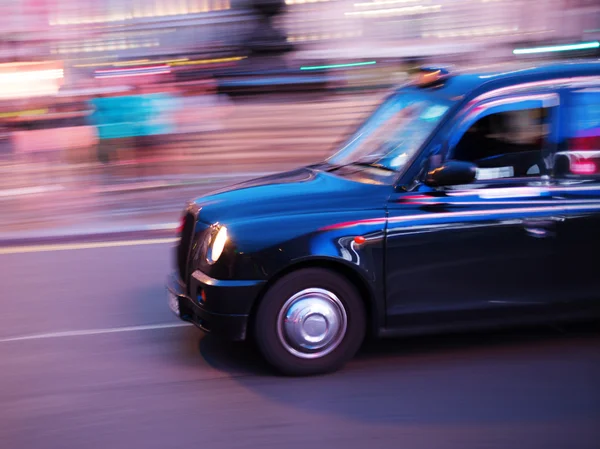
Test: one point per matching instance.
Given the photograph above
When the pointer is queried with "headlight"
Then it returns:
(215, 249)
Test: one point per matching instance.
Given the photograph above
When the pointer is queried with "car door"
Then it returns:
(461, 255)
(577, 173)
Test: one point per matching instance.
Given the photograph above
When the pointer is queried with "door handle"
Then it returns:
(540, 228)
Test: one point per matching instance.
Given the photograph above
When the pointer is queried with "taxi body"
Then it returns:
(463, 201)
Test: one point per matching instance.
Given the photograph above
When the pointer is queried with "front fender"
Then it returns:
(262, 249)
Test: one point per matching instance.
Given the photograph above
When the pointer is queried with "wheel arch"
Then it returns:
(347, 270)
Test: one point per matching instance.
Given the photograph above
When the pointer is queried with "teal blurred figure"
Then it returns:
(131, 117)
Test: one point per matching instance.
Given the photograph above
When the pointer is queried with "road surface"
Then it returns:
(91, 357)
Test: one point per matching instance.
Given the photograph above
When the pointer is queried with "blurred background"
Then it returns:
(114, 113)
(101, 97)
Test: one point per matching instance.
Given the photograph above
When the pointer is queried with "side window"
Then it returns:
(580, 151)
(506, 144)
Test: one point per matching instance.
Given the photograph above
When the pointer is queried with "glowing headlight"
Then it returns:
(218, 244)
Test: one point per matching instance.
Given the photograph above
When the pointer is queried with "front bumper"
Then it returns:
(215, 306)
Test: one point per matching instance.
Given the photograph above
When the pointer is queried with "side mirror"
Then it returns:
(452, 173)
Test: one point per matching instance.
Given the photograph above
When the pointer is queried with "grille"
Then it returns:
(185, 243)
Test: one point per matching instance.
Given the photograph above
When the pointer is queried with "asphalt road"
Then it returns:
(118, 385)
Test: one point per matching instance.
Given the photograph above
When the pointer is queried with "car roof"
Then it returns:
(475, 81)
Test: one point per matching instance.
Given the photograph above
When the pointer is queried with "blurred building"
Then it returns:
(88, 32)
(404, 28)
(133, 26)
(75, 29)
(579, 19)
(25, 34)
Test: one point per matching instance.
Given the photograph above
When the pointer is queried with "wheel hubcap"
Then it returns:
(312, 323)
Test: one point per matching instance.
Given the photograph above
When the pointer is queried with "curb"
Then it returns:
(141, 186)
(136, 186)
(122, 188)
(72, 235)
(156, 185)
(22, 191)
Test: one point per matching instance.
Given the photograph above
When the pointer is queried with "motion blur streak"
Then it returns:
(555, 48)
(89, 332)
(338, 66)
(72, 246)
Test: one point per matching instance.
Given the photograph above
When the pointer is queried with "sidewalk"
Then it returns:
(58, 199)
(99, 211)
(253, 135)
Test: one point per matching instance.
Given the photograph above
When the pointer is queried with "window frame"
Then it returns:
(477, 110)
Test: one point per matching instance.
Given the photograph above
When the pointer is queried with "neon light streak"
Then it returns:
(556, 48)
(338, 66)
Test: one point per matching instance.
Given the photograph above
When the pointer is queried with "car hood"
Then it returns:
(301, 191)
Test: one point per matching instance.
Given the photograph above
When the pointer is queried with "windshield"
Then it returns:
(395, 131)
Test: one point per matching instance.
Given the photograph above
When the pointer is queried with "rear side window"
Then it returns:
(581, 151)
(584, 120)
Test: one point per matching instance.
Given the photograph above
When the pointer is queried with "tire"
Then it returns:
(330, 290)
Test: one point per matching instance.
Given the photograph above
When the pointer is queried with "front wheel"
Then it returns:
(311, 321)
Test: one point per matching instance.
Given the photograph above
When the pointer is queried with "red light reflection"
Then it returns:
(583, 168)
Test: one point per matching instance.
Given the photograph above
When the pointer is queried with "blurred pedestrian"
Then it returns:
(110, 116)
(156, 106)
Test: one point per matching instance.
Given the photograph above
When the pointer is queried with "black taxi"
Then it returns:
(465, 200)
